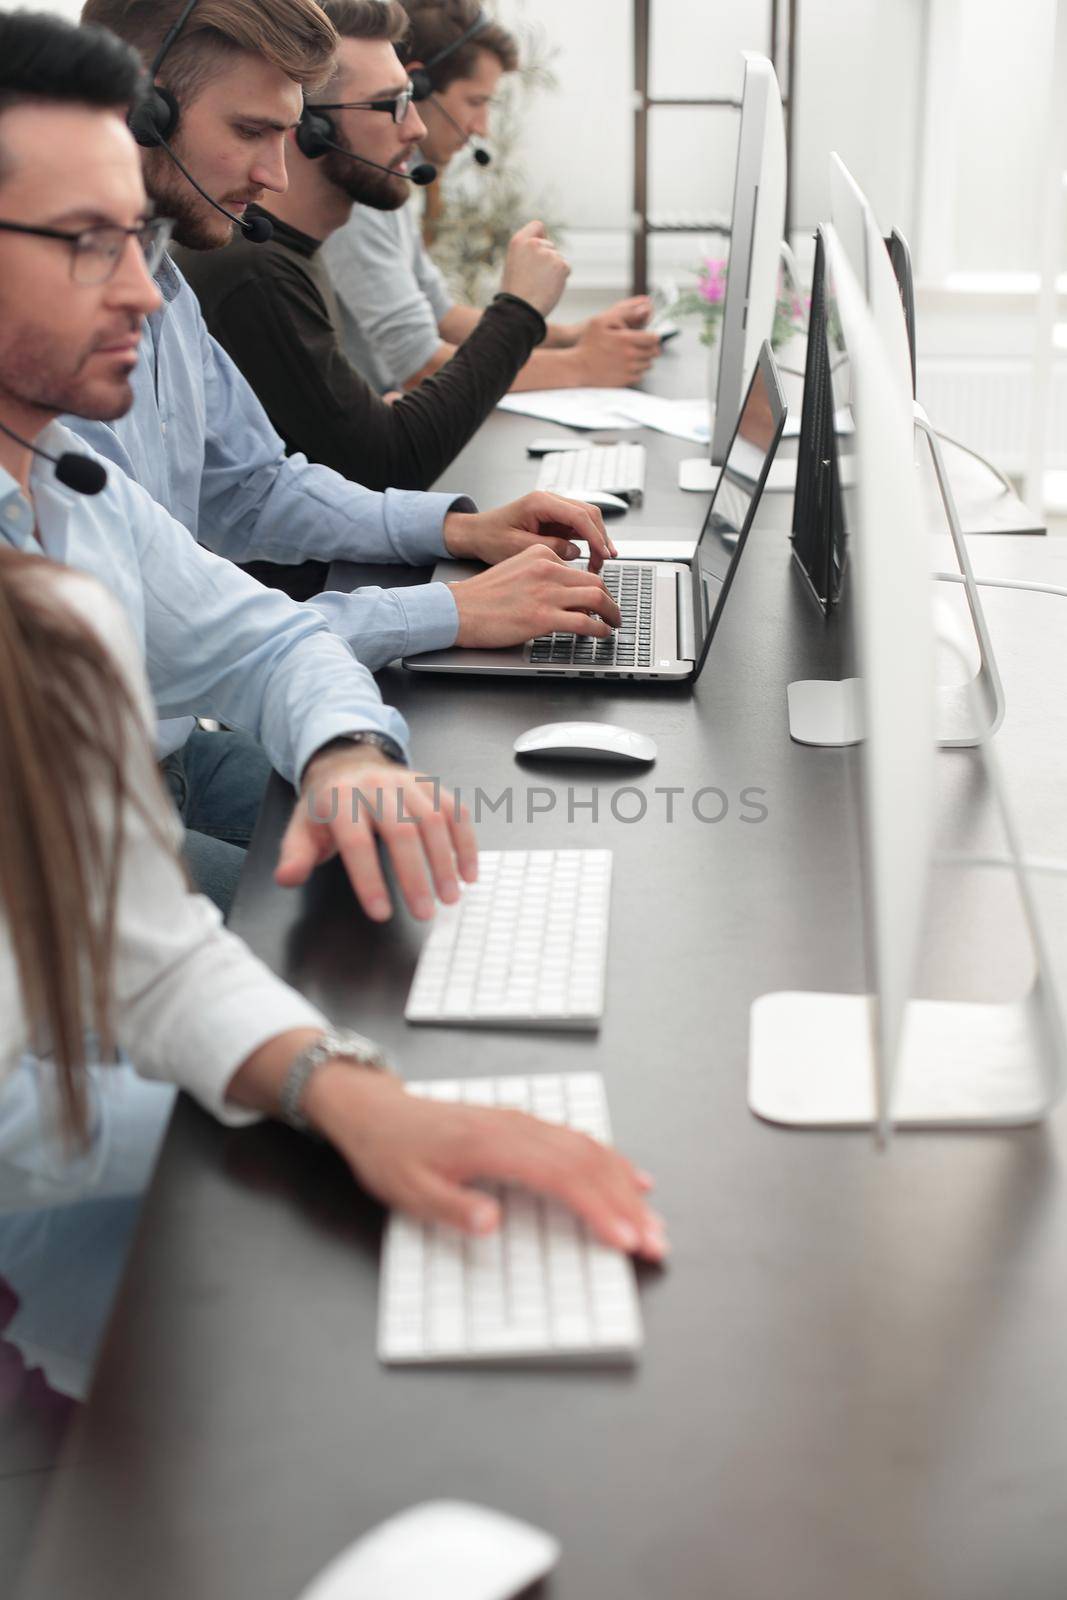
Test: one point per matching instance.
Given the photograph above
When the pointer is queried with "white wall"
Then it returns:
(860, 75)
(858, 92)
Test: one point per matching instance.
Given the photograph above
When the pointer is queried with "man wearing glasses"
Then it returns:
(199, 441)
(401, 325)
(76, 257)
(316, 399)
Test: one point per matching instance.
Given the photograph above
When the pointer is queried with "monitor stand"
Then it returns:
(826, 712)
(811, 1063)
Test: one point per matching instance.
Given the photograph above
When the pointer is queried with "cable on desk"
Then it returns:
(1002, 478)
(962, 858)
(1003, 583)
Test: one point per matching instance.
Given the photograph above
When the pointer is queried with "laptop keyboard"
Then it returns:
(632, 585)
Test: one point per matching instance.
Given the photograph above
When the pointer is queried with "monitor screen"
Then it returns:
(756, 228)
(733, 505)
(818, 533)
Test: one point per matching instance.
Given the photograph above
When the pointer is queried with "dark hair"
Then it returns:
(45, 59)
(293, 35)
(368, 19)
(435, 24)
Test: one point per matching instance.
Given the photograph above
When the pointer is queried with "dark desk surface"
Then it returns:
(850, 1381)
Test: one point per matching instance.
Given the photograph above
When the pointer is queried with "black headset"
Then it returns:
(153, 121)
(421, 79)
(316, 133)
(154, 118)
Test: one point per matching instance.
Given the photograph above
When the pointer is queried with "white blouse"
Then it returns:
(191, 1001)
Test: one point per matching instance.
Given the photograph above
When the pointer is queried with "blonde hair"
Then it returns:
(295, 36)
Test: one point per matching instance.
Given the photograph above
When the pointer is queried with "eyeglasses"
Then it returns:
(399, 105)
(96, 252)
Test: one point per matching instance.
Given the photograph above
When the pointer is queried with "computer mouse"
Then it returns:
(449, 1549)
(609, 505)
(544, 447)
(586, 741)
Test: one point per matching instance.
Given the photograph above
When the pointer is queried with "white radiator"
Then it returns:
(986, 404)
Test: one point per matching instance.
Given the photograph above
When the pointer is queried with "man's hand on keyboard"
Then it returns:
(538, 520)
(422, 1156)
(532, 594)
(349, 800)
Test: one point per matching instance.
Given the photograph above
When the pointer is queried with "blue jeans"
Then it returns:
(66, 1224)
(217, 780)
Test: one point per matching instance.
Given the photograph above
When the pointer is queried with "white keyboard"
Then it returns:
(526, 945)
(540, 1286)
(615, 468)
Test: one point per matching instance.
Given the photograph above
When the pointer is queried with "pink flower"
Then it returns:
(711, 282)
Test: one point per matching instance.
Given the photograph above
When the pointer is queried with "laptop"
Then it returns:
(670, 608)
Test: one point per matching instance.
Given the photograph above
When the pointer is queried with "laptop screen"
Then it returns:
(733, 505)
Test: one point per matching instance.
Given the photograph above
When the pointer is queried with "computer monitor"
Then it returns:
(886, 1058)
(884, 273)
(865, 248)
(900, 260)
(756, 228)
(818, 535)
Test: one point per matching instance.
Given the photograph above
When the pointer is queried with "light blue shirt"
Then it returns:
(199, 441)
(215, 642)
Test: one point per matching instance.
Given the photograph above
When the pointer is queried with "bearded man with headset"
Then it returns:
(227, 79)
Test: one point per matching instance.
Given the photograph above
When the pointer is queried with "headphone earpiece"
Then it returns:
(421, 81)
(154, 117)
(315, 134)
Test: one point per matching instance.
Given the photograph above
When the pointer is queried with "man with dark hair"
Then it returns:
(314, 396)
(400, 323)
(75, 238)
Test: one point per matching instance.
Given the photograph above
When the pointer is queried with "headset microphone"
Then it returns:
(257, 230)
(480, 154)
(77, 472)
(154, 119)
(313, 139)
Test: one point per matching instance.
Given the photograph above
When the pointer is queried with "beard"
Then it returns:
(33, 370)
(196, 225)
(363, 184)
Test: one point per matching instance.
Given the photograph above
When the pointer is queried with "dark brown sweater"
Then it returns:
(272, 308)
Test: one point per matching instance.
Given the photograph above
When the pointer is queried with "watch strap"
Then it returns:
(336, 1044)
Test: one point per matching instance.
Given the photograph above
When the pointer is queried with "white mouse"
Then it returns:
(449, 1549)
(609, 505)
(585, 741)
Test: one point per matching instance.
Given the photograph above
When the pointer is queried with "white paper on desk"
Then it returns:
(683, 419)
(574, 408)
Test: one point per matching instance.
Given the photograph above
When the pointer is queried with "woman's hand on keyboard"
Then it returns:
(423, 1155)
(540, 519)
(352, 798)
(532, 594)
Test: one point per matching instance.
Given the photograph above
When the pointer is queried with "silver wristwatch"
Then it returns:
(335, 1044)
